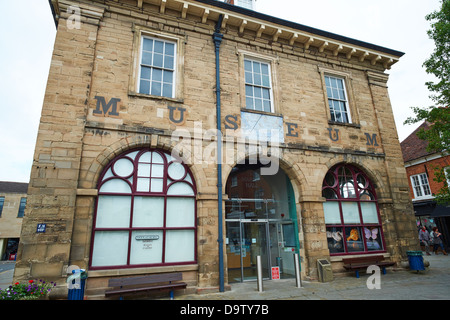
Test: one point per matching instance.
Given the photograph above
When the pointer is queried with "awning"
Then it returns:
(425, 208)
(441, 211)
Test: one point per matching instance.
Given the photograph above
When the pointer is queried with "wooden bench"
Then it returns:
(141, 284)
(364, 262)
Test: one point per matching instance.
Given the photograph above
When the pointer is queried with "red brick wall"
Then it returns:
(420, 168)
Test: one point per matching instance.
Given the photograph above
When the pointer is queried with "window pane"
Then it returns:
(170, 49)
(158, 60)
(167, 90)
(180, 245)
(146, 247)
(143, 185)
(144, 170)
(156, 88)
(176, 170)
(146, 73)
(110, 248)
(147, 58)
(168, 77)
(369, 212)
(373, 238)
(148, 212)
(354, 239)
(180, 188)
(350, 212)
(113, 212)
(157, 170)
(157, 185)
(168, 62)
(180, 212)
(116, 186)
(144, 87)
(335, 240)
(148, 44)
(123, 167)
(332, 213)
(156, 158)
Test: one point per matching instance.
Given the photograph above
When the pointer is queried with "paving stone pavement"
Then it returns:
(431, 284)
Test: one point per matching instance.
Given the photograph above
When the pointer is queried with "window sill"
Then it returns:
(262, 112)
(150, 97)
(352, 125)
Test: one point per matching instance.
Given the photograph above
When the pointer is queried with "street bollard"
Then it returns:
(260, 276)
(298, 280)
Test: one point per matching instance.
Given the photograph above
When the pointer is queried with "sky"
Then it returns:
(27, 34)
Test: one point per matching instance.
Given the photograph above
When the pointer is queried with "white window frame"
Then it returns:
(421, 188)
(345, 100)
(271, 97)
(152, 67)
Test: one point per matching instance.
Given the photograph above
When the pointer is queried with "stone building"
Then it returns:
(13, 199)
(125, 174)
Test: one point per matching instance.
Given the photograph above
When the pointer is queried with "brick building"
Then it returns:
(125, 174)
(420, 167)
(13, 199)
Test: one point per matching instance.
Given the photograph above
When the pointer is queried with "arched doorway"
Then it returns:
(261, 220)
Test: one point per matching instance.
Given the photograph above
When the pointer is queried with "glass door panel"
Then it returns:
(254, 243)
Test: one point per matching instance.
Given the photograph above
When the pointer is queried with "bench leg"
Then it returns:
(357, 273)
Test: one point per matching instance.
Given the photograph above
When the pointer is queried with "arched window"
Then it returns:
(145, 212)
(351, 212)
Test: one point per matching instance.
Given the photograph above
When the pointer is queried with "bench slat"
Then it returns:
(144, 280)
(178, 285)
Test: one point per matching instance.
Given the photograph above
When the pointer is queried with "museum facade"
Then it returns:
(194, 136)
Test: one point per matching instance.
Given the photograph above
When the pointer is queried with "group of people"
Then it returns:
(431, 238)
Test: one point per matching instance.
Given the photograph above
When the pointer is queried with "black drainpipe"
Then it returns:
(217, 37)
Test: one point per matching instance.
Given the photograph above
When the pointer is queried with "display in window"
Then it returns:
(354, 240)
(335, 240)
(373, 239)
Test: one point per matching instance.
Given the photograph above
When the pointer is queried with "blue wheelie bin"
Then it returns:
(76, 283)
(415, 260)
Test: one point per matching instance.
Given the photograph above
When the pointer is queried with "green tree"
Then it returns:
(438, 116)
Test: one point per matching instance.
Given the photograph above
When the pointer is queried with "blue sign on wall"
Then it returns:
(41, 227)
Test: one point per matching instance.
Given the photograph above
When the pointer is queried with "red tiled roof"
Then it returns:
(413, 147)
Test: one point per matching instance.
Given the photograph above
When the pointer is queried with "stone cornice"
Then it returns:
(261, 25)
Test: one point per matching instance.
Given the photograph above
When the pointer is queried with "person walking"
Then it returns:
(437, 241)
(425, 238)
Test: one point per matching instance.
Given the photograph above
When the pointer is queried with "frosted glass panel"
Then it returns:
(116, 186)
(145, 157)
(143, 185)
(157, 158)
(180, 245)
(148, 212)
(110, 248)
(146, 247)
(157, 170)
(332, 214)
(123, 167)
(176, 171)
(144, 170)
(113, 212)
(350, 212)
(157, 185)
(369, 212)
(180, 188)
(180, 212)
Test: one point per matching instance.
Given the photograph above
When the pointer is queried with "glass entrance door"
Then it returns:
(254, 243)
